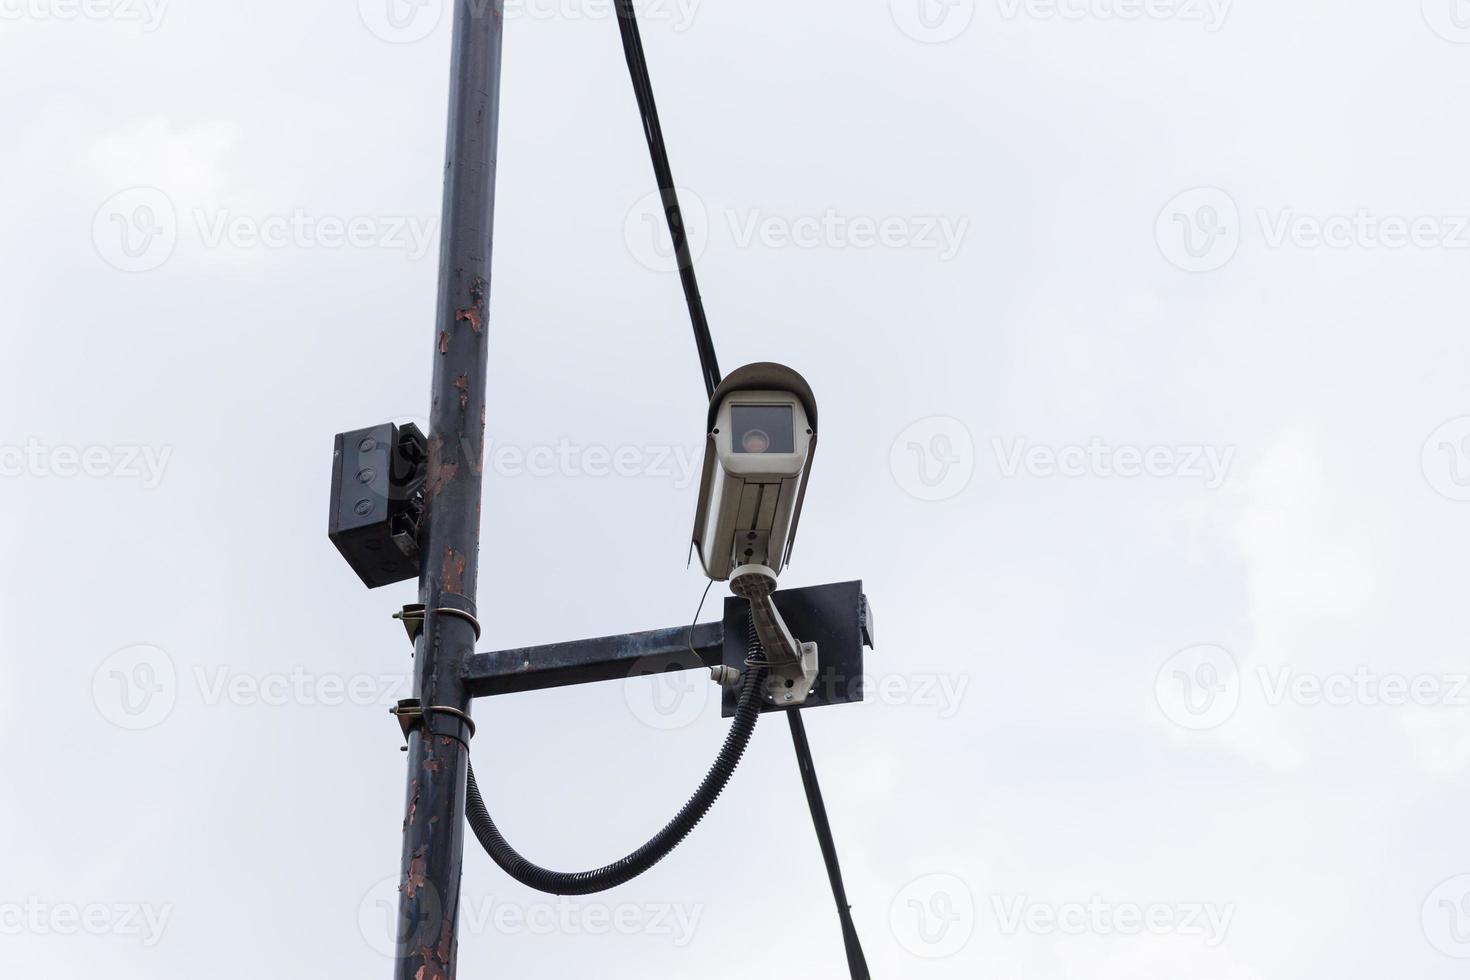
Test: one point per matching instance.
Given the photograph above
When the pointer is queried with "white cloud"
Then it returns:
(189, 162)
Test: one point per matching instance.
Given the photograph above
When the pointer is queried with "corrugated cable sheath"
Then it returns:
(531, 875)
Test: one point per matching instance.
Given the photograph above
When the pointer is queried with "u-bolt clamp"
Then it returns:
(411, 713)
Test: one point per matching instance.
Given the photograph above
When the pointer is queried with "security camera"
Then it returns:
(762, 432)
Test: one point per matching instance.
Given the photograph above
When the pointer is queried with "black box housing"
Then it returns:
(378, 501)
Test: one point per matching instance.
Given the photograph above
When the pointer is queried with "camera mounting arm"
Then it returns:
(793, 663)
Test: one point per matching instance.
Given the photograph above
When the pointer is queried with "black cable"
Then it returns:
(710, 370)
(857, 964)
(747, 711)
(653, 132)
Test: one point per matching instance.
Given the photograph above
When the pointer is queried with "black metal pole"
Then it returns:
(438, 746)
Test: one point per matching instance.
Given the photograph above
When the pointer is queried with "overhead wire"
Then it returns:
(710, 373)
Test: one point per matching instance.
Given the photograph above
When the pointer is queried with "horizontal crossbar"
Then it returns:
(606, 658)
(835, 617)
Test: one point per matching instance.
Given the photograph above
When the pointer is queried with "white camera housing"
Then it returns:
(762, 434)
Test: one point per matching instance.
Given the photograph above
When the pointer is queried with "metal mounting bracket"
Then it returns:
(837, 617)
(793, 664)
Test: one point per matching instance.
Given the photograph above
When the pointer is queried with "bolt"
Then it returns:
(725, 676)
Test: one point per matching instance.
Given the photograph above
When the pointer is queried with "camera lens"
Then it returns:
(755, 441)
(759, 430)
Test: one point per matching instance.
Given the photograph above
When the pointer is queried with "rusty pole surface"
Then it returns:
(438, 748)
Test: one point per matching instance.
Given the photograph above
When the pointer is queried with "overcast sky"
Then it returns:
(1138, 330)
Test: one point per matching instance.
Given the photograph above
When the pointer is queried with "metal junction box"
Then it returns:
(378, 501)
